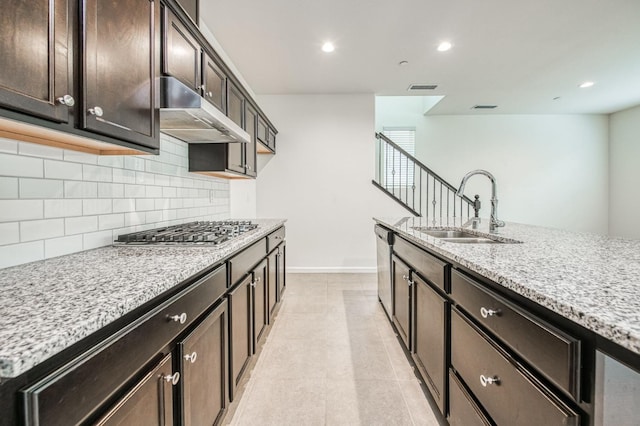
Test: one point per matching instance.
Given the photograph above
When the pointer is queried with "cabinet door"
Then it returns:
(263, 131)
(282, 275)
(260, 309)
(192, 9)
(235, 111)
(203, 355)
(429, 338)
(401, 298)
(34, 47)
(272, 283)
(214, 83)
(150, 402)
(121, 46)
(240, 337)
(251, 121)
(180, 52)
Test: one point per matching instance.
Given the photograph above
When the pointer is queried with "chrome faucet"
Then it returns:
(494, 223)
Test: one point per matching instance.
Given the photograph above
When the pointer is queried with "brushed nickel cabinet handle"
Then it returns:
(486, 381)
(97, 111)
(486, 313)
(172, 378)
(66, 100)
(182, 318)
(191, 357)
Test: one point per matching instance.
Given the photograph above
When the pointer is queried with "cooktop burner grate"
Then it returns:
(189, 233)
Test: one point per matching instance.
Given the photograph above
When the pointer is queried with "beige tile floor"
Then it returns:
(331, 358)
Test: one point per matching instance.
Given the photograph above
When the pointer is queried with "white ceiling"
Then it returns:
(516, 54)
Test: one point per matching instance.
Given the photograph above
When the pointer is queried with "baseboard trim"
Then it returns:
(330, 270)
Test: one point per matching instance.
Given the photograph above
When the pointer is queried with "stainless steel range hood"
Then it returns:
(187, 116)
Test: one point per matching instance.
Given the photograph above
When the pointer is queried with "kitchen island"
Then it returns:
(581, 288)
(66, 312)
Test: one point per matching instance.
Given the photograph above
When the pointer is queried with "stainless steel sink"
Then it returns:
(457, 236)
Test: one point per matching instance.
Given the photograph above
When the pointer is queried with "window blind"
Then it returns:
(399, 170)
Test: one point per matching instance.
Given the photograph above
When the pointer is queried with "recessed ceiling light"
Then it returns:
(328, 47)
(586, 84)
(444, 46)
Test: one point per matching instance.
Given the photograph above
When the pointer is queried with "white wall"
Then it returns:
(551, 170)
(624, 173)
(55, 202)
(320, 180)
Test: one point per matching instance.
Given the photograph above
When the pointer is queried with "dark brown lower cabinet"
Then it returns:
(260, 309)
(272, 284)
(428, 338)
(282, 275)
(240, 333)
(463, 410)
(204, 366)
(150, 402)
(402, 299)
(504, 388)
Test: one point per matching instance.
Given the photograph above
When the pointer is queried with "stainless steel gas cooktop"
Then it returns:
(189, 233)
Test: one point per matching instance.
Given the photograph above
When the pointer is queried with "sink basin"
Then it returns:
(457, 236)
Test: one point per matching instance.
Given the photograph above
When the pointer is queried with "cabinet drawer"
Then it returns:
(463, 411)
(244, 262)
(72, 393)
(275, 238)
(514, 398)
(554, 353)
(428, 266)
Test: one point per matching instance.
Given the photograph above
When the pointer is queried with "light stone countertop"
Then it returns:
(47, 306)
(592, 280)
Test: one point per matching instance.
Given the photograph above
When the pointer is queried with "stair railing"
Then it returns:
(414, 185)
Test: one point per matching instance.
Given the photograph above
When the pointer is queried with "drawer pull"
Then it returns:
(485, 381)
(489, 312)
(182, 318)
(173, 378)
(191, 357)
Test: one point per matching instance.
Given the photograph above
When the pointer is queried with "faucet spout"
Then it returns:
(494, 223)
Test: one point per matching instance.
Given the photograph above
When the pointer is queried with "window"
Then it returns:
(398, 169)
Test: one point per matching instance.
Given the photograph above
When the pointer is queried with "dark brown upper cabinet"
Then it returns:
(181, 52)
(35, 51)
(235, 111)
(251, 122)
(120, 60)
(214, 83)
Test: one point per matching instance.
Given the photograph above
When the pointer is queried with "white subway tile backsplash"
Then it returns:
(62, 170)
(62, 208)
(97, 239)
(110, 190)
(41, 229)
(153, 191)
(63, 245)
(9, 233)
(110, 221)
(16, 165)
(79, 189)
(41, 188)
(134, 163)
(134, 191)
(8, 146)
(80, 225)
(8, 187)
(96, 206)
(54, 202)
(42, 151)
(124, 205)
(16, 210)
(143, 204)
(96, 173)
(15, 254)
(80, 157)
(124, 176)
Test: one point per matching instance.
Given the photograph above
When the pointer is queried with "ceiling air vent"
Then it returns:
(422, 87)
(484, 106)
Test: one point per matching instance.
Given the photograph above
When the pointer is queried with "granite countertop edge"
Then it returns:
(49, 305)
